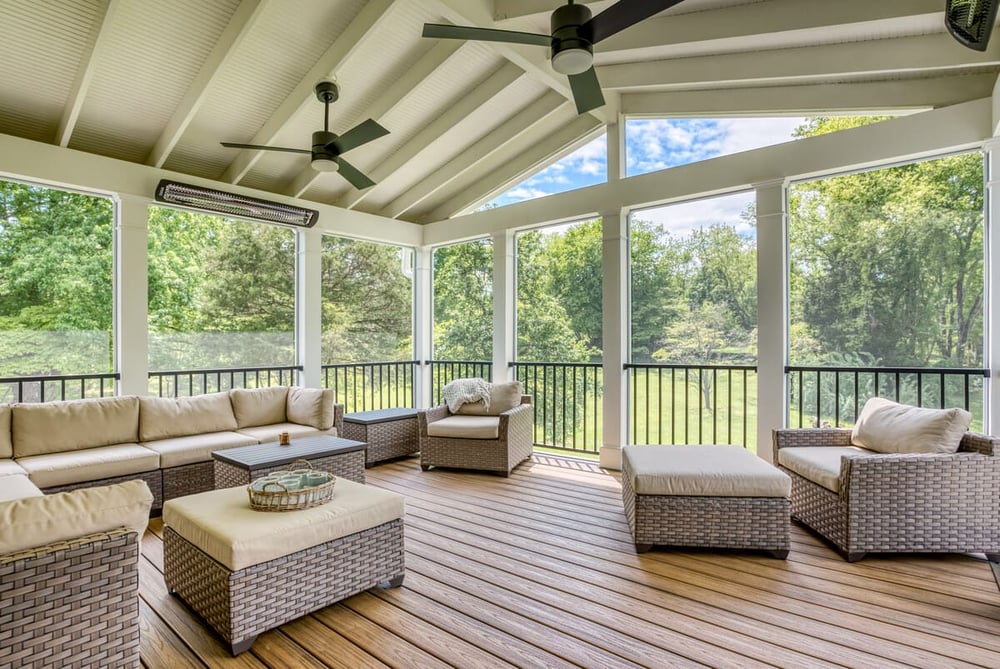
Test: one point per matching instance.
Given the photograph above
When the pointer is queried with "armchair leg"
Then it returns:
(993, 557)
(854, 557)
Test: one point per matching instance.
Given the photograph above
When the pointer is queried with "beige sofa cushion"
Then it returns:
(91, 464)
(166, 417)
(6, 449)
(10, 468)
(37, 521)
(268, 433)
(310, 406)
(17, 486)
(888, 427)
(188, 450)
(819, 464)
(57, 427)
(465, 427)
(702, 471)
(503, 397)
(222, 524)
(259, 406)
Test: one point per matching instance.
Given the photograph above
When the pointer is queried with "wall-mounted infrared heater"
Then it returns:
(231, 204)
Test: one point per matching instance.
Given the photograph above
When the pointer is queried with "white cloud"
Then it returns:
(682, 218)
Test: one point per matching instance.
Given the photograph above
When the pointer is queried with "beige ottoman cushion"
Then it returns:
(92, 464)
(465, 427)
(703, 471)
(222, 524)
(819, 464)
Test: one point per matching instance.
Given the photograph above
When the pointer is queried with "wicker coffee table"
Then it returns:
(389, 433)
(239, 466)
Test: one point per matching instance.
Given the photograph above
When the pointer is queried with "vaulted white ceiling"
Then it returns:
(162, 83)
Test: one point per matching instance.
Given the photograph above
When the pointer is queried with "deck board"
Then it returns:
(538, 570)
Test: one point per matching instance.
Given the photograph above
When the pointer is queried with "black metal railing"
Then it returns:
(692, 404)
(187, 382)
(566, 399)
(833, 396)
(444, 371)
(48, 388)
(363, 386)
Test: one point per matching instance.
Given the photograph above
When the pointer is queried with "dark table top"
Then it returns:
(379, 416)
(271, 453)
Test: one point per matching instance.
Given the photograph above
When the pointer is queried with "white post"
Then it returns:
(772, 314)
(504, 300)
(131, 297)
(309, 307)
(614, 225)
(991, 408)
(423, 325)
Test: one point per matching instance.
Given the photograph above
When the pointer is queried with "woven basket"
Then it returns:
(275, 496)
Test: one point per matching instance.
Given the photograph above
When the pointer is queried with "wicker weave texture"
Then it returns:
(240, 605)
(72, 604)
(759, 523)
(513, 446)
(188, 479)
(345, 465)
(153, 479)
(386, 440)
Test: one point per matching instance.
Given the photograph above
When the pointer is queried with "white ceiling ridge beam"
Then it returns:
(392, 97)
(574, 134)
(85, 72)
(535, 113)
(361, 29)
(488, 88)
(957, 127)
(508, 10)
(888, 57)
(239, 26)
(729, 24)
(867, 97)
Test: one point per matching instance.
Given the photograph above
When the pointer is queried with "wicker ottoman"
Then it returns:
(389, 433)
(705, 496)
(246, 571)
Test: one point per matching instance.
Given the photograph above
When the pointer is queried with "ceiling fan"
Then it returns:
(574, 34)
(327, 146)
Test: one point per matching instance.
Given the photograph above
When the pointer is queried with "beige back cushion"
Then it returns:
(310, 406)
(166, 417)
(6, 449)
(503, 397)
(54, 427)
(259, 406)
(888, 427)
(37, 521)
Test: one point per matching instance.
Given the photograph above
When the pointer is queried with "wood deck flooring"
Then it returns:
(538, 570)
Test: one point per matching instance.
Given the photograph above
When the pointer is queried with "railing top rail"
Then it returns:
(60, 377)
(228, 370)
(527, 363)
(892, 370)
(375, 362)
(654, 365)
(458, 362)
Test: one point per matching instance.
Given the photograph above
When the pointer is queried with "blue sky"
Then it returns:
(654, 144)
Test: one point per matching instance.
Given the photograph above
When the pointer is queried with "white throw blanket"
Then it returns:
(462, 391)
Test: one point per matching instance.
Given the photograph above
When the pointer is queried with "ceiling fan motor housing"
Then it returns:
(572, 50)
(322, 159)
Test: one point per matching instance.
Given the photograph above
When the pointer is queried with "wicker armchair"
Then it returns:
(898, 503)
(512, 446)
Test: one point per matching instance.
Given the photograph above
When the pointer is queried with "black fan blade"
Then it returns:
(621, 15)
(354, 175)
(586, 91)
(971, 22)
(362, 133)
(444, 31)
(258, 147)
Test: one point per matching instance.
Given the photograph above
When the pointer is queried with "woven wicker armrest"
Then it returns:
(948, 478)
(520, 417)
(69, 544)
(808, 436)
(427, 416)
(973, 442)
(338, 418)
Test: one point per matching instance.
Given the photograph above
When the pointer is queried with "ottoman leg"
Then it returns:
(242, 645)
(642, 548)
(395, 581)
(781, 555)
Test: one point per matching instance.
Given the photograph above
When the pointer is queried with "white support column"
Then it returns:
(504, 301)
(615, 334)
(131, 297)
(423, 325)
(991, 418)
(772, 315)
(309, 307)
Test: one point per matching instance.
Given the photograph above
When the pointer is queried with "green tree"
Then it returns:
(463, 301)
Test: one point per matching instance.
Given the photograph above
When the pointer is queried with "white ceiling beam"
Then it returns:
(240, 24)
(887, 57)
(535, 113)
(488, 88)
(390, 98)
(85, 72)
(361, 29)
(506, 10)
(560, 143)
(869, 96)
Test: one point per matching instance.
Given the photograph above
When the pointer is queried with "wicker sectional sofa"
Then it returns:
(166, 442)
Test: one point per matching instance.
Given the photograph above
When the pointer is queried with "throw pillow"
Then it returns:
(502, 397)
(888, 427)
